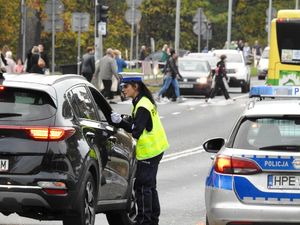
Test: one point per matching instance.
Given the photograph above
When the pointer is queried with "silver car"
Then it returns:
(196, 74)
(255, 174)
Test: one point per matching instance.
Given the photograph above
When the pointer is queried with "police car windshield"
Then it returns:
(268, 133)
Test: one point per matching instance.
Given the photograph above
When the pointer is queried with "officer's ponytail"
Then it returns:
(144, 91)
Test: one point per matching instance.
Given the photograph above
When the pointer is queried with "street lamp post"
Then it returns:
(269, 20)
(177, 26)
(297, 4)
(229, 23)
(23, 29)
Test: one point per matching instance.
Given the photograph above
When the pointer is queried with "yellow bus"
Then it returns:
(284, 57)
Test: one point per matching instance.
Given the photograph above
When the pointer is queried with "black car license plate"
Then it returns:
(3, 165)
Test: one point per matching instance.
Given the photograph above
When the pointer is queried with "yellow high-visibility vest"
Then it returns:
(154, 142)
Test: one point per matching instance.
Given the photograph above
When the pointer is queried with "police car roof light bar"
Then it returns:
(274, 92)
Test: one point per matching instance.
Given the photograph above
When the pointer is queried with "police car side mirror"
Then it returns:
(214, 145)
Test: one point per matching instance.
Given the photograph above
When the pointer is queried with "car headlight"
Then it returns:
(202, 80)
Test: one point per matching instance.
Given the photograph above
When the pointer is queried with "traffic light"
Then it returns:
(102, 13)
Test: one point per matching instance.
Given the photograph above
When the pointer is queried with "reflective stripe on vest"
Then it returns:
(150, 144)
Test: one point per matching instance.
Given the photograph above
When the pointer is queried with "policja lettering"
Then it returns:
(276, 163)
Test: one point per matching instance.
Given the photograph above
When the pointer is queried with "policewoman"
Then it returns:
(147, 129)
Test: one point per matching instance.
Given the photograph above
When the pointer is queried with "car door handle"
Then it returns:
(90, 136)
(112, 139)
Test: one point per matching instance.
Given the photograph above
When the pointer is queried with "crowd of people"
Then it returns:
(250, 53)
(36, 61)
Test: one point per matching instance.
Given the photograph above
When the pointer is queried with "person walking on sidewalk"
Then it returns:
(171, 73)
(88, 64)
(105, 70)
(219, 81)
(145, 126)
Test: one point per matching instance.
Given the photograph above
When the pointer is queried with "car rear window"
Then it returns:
(269, 134)
(25, 104)
(193, 66)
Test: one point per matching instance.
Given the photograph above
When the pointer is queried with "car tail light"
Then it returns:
(2, 88)
(45, 133)
(233, 165)
(53, 188)
(50, 133)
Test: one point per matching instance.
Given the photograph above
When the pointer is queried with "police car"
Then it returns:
(255, 174)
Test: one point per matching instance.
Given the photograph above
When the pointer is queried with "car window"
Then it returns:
(25, 104)
(234, 58)
(103, 107)
(82, 103)
(193, 65)
(264, 132)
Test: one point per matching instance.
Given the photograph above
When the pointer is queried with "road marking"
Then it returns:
(177, 155)
(176, 113)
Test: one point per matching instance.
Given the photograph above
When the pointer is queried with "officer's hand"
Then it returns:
(115, 117)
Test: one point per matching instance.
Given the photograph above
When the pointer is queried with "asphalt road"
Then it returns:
(181, 176)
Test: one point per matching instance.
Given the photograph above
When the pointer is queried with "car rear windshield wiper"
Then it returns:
(281, 147)
(3, 115)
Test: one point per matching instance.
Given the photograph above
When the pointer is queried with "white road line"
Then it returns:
(177, 155)
(176, 113)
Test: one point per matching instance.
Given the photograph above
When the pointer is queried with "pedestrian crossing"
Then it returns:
(191, 102)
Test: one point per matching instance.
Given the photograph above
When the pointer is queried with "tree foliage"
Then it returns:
(158, 24)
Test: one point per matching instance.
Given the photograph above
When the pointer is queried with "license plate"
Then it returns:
(181, 85)
(3, 165)
(283, 182)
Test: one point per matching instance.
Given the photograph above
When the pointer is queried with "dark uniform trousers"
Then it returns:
(146, 193)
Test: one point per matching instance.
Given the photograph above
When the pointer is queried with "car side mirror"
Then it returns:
(214, 145)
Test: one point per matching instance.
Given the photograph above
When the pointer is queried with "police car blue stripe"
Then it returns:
(245, 189)
(220, 181)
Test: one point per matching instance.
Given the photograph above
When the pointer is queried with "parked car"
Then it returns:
(196, 74)
(254, 177)
(60, 156)
(237, 70)
(262, 67)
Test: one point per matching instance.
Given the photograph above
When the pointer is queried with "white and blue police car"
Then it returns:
(255, 174)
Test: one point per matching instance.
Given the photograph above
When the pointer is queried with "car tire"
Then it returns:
(86, 204)
(126, 217)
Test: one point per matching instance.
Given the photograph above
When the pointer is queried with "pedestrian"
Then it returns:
(147, 129)
(19, 68)
(88, 64)
(11, 64)
(165, 53)
(120, 62)
(143, 53)
(171, 74)
(220, 74)
(44, 56)
(247, 52)
(34, 61)
(106, 68)
(256, 52)
(3, 65)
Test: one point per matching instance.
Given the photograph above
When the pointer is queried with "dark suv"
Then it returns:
(60, 156)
